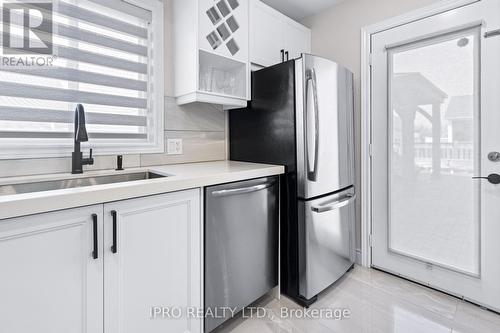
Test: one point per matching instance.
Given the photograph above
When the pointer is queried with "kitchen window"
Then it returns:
(106, 55)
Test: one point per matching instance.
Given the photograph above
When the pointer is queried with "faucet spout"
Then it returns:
(80, 126)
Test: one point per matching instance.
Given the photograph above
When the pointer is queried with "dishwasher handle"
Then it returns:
(242, 190)
(341, 203)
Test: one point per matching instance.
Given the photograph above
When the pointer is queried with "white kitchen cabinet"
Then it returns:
(156, 262)
(61, 274)
(211, 52)
(267, 45)
(50, 280)
(297, 39)
(275, 37)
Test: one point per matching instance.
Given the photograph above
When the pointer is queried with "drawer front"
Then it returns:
(326, 249)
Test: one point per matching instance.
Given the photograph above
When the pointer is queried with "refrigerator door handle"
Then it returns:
(311, 93)
(341, 203)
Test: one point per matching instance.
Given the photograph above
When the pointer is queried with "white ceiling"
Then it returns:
(298, 9)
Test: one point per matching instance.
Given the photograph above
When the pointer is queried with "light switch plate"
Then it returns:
(174, 146)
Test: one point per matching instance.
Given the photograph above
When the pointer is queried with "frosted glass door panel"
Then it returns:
(434, 151)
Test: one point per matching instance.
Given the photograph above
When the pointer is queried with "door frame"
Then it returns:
(366, 114)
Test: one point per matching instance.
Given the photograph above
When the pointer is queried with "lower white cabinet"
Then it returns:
(156, 263)
(61, 271)
(50, 276)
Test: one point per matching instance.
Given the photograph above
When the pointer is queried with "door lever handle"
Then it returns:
(493, 178)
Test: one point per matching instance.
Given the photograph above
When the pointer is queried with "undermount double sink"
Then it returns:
(59, 184)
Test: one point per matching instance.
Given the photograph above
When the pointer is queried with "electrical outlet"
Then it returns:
(174, 146)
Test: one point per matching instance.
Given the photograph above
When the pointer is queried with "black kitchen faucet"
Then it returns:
(77, 160)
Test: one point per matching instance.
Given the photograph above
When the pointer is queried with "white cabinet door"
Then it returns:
(50, 280)
(156, 262)
(266, 34)
(298, 39)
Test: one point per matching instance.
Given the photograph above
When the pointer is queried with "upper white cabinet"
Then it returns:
(211, 46)
(267, 31)
(52, 267)
(215, 41)
(275, 37)
(297, 39)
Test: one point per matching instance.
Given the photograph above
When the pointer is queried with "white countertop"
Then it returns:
(180, 177)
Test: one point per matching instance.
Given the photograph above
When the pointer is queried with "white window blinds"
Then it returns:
(104, 59)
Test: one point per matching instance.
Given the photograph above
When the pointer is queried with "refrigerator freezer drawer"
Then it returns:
(327, 246)
(241, 244)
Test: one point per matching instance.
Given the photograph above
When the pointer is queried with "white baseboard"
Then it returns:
(275, 292)
(359, 260)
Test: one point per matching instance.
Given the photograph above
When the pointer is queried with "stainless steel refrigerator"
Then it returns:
(301, 116)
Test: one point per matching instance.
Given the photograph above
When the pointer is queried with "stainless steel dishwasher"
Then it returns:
(241, 245)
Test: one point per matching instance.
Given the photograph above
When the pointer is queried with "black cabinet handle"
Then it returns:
(95, 254)
(286, 55)
(114, 248)
(282, 55)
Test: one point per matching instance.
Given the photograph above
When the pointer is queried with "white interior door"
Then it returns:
(435, 117)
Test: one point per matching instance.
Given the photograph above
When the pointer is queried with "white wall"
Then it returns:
(201, 126)
(336, 34)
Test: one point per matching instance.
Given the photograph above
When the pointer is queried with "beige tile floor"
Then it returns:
(379, 303)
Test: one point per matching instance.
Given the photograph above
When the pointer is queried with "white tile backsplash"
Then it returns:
(36, 166)
(201, 126)
(193, 117)
(196, 147)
